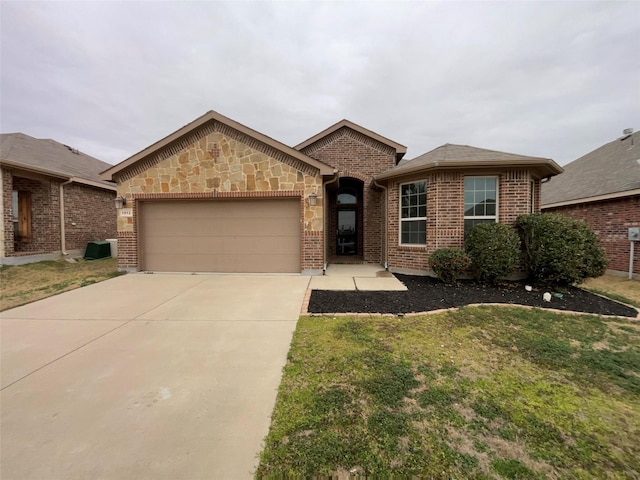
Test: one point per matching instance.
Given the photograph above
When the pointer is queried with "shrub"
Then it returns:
(559, 250)
(449, 263)
(494, 249)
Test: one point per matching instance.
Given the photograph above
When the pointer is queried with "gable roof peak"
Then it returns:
(211, 117)
(344, 123)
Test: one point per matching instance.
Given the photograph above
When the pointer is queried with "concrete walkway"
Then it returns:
(356, 277)
(145, 376)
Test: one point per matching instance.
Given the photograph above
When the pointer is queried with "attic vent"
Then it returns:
(626, 133)
(73, 150)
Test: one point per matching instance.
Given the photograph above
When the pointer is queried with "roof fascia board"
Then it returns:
(399, 148)
(93, 183)
(29, 168)
(42, 172)
(550, 165)
(208, 117)
(597, 198)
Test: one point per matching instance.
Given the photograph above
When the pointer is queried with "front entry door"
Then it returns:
(347, 234)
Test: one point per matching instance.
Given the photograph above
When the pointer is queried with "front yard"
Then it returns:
(482, 392)
(22, 284)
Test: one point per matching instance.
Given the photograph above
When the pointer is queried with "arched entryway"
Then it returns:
(346, 219)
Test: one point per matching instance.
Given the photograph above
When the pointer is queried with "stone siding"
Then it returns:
(610, 220)
(222, 165)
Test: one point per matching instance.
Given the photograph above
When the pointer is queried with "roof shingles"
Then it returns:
(611, 169)
(49, 156)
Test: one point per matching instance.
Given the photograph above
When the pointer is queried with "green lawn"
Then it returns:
(482, 392)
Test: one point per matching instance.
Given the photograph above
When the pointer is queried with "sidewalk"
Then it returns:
(356, 277)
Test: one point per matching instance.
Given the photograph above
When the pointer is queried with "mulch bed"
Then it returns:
(425, 294)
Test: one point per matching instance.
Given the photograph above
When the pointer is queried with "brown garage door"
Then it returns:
(221, 236)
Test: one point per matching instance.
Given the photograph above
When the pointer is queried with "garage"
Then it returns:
(234, 236)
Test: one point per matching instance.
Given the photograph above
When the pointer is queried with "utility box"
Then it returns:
(634, 234)
(96, 250)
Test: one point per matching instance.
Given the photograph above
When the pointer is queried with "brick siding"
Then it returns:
(91, 209)
(93, 212)
(610, 220)
(445, 211)
(359, 157)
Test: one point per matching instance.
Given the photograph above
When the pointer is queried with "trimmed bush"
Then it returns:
(449, 263)
(559, 250)
(494, 249)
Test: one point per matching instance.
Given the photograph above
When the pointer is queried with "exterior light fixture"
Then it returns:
(313, 199)
(120, 202)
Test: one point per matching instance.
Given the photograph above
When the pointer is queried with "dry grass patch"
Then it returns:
(23, 284)
(483, 392)
(616, 288)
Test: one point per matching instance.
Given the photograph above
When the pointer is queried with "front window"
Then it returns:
(480, 201)
(413, 213)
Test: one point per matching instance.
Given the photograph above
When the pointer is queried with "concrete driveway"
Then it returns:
(145, 376)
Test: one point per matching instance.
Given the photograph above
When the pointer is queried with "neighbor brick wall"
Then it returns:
(45, 215)
(7, 214)
(357, 156)
(93, 212)
(91, 209)
(445, 211)
(610, 220)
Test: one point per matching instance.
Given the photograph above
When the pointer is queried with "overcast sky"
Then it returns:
(550, 79)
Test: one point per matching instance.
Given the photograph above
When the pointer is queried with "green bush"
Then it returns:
(449, 263)
(494, 249)
(559, 250)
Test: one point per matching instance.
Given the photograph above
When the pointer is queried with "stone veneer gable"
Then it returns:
(219, 165)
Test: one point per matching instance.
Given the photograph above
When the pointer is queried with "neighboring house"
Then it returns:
(53, 199)
(217, 196)
(603, 189)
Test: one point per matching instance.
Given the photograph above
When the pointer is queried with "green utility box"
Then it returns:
(97, 250)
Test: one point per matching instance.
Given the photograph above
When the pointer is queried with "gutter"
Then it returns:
(386, 225)
(63, 239)
(596, 198)
(325, 219)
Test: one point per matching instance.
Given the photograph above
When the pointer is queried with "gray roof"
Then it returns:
(464, 156)
(47, 156)
(610, 170)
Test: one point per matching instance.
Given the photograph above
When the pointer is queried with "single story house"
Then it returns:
(603, 189)
(53, 199)
(217, 196)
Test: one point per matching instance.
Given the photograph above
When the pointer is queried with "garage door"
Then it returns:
(221, 236)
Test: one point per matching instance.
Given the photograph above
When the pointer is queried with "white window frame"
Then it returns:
(481, 217)
(411, 219)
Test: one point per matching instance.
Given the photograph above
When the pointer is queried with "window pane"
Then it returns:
(480, 197)
(413, 200)
(470, 223)
(414, 232)
(469, 183)
(346, 199)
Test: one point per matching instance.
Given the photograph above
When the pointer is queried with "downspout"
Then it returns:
(325, 207)
(63, 240)
(386, 225)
